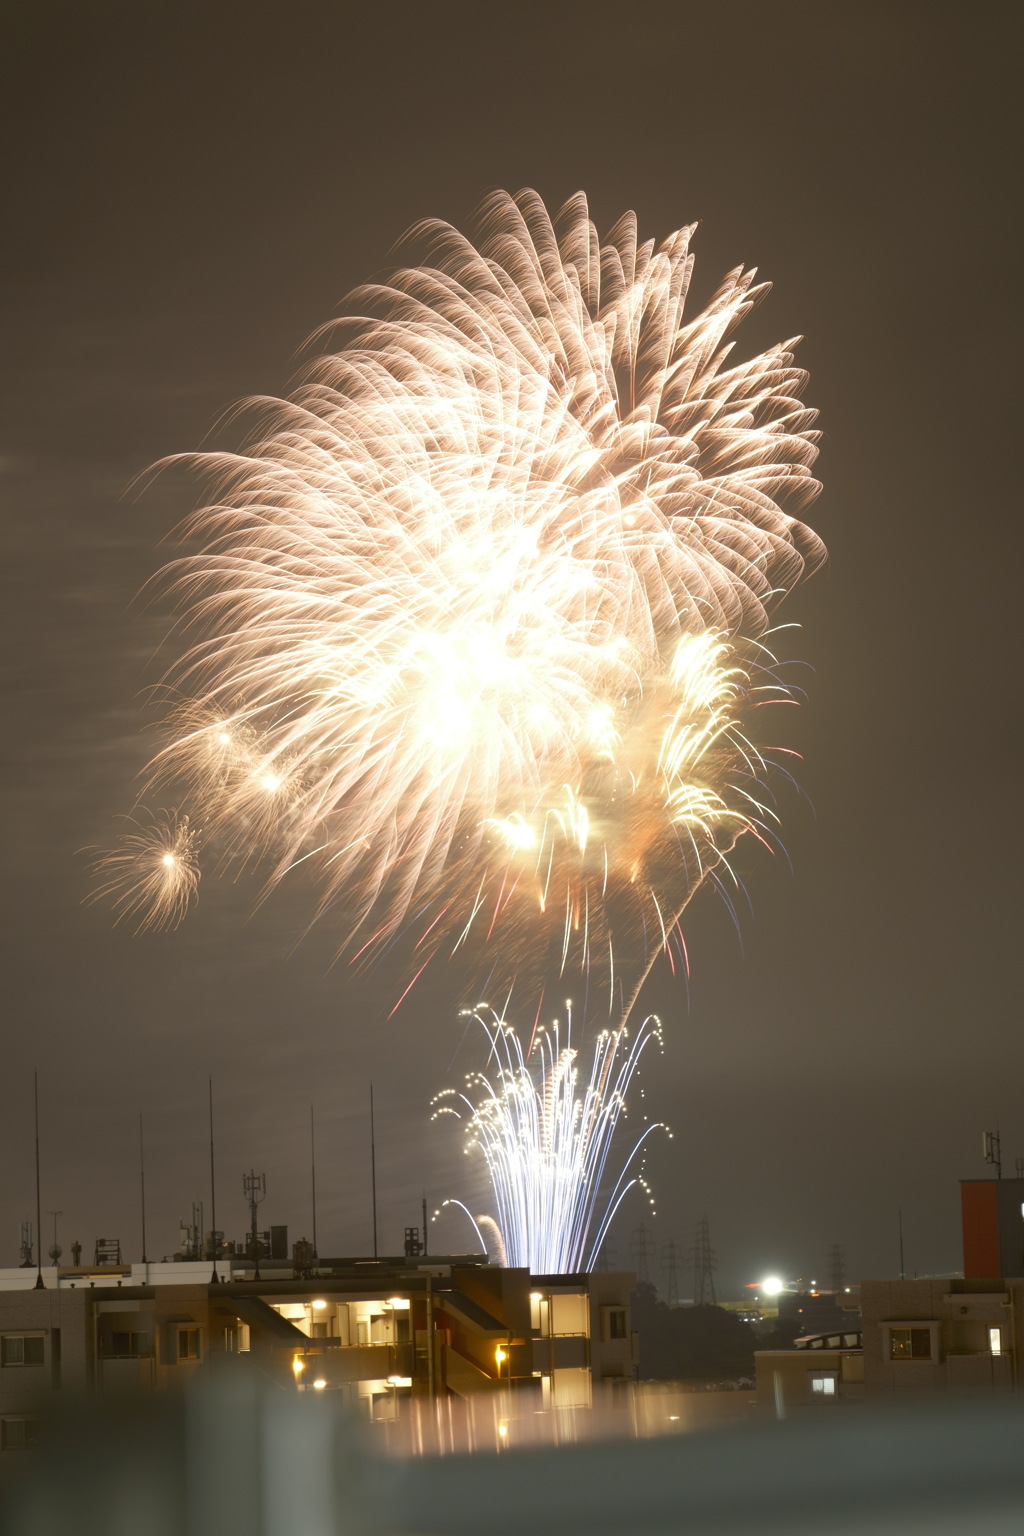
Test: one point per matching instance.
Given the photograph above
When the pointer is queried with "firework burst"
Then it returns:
(152, 875)
(477, 622)
(546, 1135)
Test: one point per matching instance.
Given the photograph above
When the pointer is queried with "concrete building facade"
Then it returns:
(379, 1332)
(924, 1336)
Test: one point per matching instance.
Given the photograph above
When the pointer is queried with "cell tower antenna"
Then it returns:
(641, 1246)
(670, 1265)
(255, 1188)
(704, 1262)
(992, 1150)
(837, 1266)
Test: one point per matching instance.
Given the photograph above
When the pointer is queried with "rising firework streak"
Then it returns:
(546, 1135)
(479, 614)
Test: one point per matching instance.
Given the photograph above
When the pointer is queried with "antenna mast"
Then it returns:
(312, 1176)
(214, 1278)
(373, 1174)
(142, 1189)
(39, 1286)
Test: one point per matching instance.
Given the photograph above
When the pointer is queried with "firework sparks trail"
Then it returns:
(152, 876)
(546, 1136)
(479, 615)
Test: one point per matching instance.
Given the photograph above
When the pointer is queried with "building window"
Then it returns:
(131, 1346)
(21, 1349)
(614, 1322)
(910, 1344)
(16, 1434)
(823, 1383)
(995, 1341)
(188, 1344)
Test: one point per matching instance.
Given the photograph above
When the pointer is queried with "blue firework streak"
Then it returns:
(546, 1131)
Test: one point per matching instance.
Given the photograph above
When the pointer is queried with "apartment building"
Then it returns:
(378, 1331)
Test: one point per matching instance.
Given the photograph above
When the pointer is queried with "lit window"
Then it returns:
(995, 1341)
(910, 1344)
(21, 1349)
(823, 1383)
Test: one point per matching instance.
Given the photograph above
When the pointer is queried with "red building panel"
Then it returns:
(980, 1215)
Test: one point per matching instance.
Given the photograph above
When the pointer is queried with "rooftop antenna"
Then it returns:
(903, 1272)
(39, 1286)
(255, 1187)
(312, 1174)
(424, 1226)
(373, 1174)
(56, 1250)
(142, 1189)
(992, 1151)
(214, 1278)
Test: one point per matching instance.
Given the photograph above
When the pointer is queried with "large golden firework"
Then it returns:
(478, 615)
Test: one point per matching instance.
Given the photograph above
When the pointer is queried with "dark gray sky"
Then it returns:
(191, 190)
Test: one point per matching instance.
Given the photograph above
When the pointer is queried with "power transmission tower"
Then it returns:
(704, 1262)
(670, 1265)
(837, 1266)
(641, 1246)
(607, 1255)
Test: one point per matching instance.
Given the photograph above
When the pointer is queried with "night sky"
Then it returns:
(192, 189)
